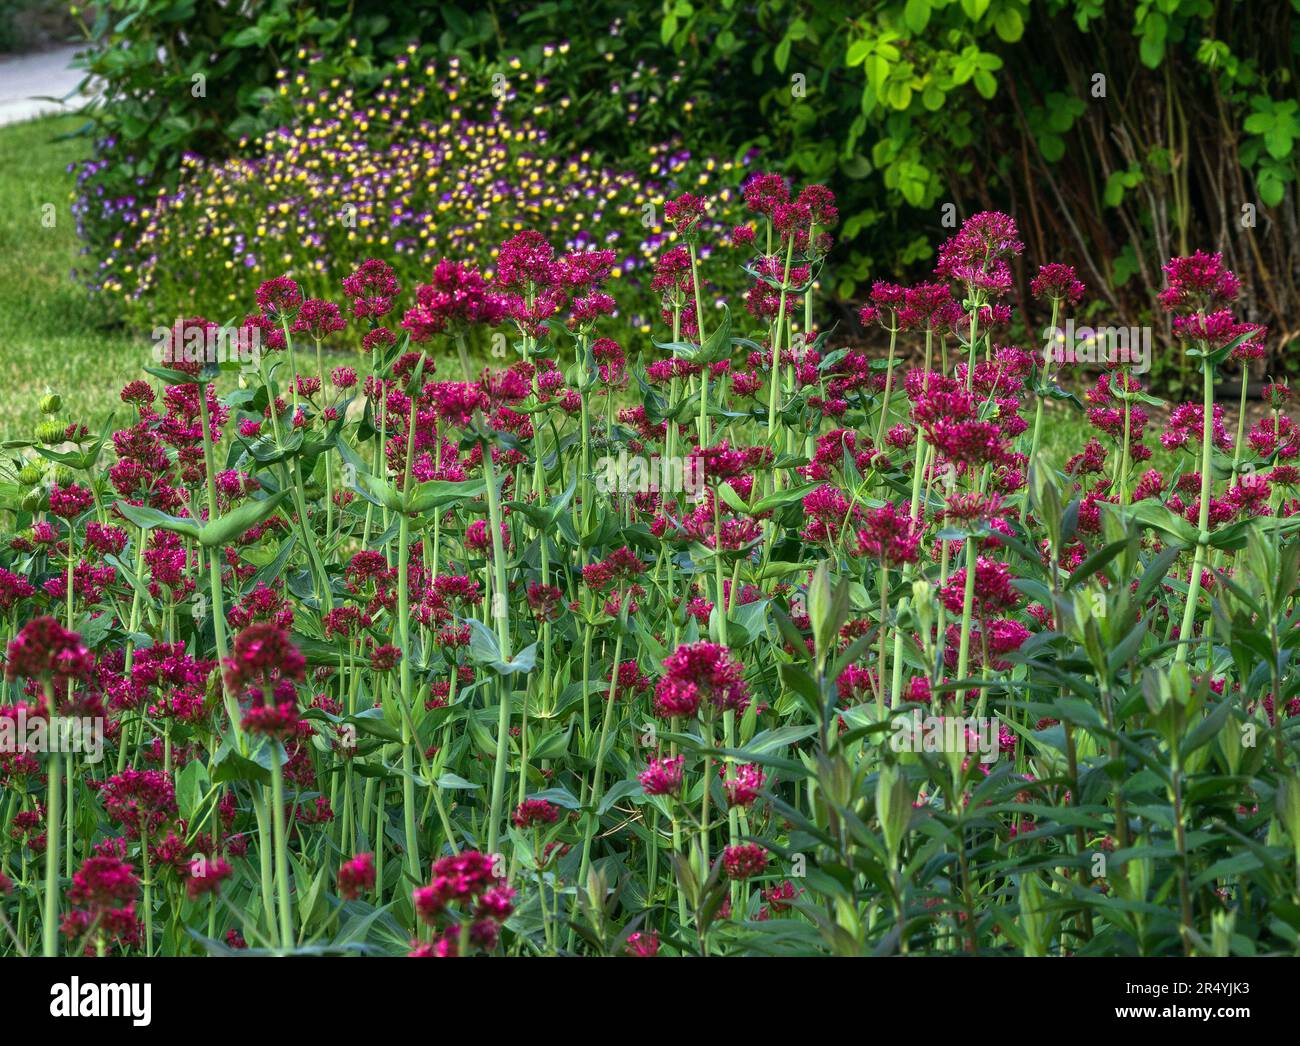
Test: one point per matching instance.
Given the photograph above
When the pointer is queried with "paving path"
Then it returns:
(25, 79)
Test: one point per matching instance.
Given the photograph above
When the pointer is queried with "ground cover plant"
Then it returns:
(739, 642)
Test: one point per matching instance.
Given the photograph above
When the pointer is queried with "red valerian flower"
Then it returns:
(262, 655)
(71, 501)
(701, 675)
(581, 271)
(484, 902)
(318, 319)
(544, 601)
(744, 785)
(685, 212)
(1199, 282)
(532, 813)
(744, 862)
(820, 202)
(456, 402)
(722, 462)
(102, 883)
(44, 649)
(763, 192)
(994, 591)
(618, 568)
(830, 514)
(279, 298)
(206, 875)
(1057, 282)
(455, 880)
(889, 536)
(371, 288)
(459, 297)
(141, 801)
(928, 307)
(977, 255)
(526, 258)
(356, 876)
(742, 236)
(265, 664)
(642, 945)
(104, 891)
(662, 776)
(385, 658)
(780, 897)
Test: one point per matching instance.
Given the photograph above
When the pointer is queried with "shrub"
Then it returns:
(28, 24)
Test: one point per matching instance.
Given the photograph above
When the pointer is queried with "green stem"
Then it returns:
(1203, 521)
(50, 913)
(501, 618)
(281, 852)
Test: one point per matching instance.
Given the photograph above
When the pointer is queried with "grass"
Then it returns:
(52, 334)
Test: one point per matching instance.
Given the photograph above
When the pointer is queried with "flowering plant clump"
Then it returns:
(742, 641)
(412, 173)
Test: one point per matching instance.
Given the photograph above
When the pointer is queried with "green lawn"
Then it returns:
(51, 333)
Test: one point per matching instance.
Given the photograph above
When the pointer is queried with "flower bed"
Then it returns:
(411, 173)
(801, 651)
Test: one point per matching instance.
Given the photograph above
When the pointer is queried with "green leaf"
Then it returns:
(439, 493)
(733, 500)
(147, 518)
(191, 784)
(238, 522)
(781, 498)
(1009, 25)
(455, 781)
(916, 15)
(483, 645)
(717, 346)
(619, 790)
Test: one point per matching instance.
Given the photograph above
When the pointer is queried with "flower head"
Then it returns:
(744, 862)
(356, 876)
(699, 676)
(44, 649)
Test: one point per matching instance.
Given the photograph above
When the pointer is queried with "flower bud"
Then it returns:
(1288, 806)
(51, 403)
(34, 500)
(894, 798)
(923, 602)
(1221, 926)
(50, 433)
(30, 474)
